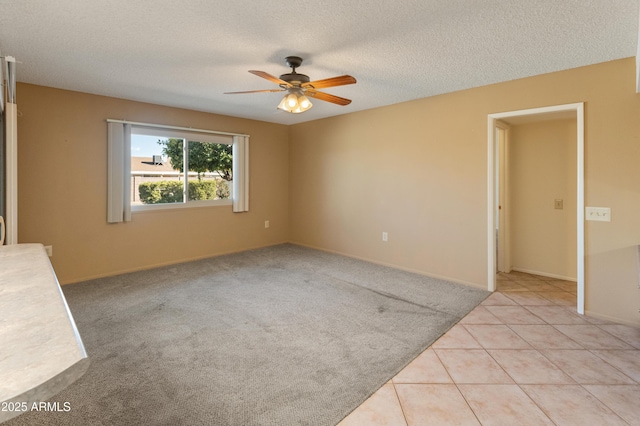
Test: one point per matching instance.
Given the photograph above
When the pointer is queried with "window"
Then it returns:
(158, 167)
(169, 170)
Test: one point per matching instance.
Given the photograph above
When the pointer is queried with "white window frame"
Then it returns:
(186, 137)
(119, 206)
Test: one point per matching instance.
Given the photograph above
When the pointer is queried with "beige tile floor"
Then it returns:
(523, 357)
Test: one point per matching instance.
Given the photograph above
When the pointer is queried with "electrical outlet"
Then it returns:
(49, 250)
(266, 223)
(385, 236)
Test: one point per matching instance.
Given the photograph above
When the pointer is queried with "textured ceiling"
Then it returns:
(187, 53)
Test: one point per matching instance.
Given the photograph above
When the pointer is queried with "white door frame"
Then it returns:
(504, 243)
(578, 108)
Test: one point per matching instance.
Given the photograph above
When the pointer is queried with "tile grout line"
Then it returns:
(395, 391)
(613, 366)
(605, 404)
(542, 410)
(467, 402)
(619, 338)
(456, 384)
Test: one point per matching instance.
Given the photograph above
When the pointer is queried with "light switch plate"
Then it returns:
(601, 214)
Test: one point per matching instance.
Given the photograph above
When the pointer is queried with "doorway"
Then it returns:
(494, 172)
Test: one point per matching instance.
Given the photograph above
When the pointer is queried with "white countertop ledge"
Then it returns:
(41, 352)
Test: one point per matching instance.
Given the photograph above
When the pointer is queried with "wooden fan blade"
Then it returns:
(327, 97)
(330, 82)
(254, 91)
(269, 77)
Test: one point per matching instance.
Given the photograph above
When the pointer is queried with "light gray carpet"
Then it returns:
(278, 336)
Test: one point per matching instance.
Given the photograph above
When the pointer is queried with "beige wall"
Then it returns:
(62, 188)
(418, 170)
(542, 168)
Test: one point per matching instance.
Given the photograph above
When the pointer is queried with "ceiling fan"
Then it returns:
(299, 88)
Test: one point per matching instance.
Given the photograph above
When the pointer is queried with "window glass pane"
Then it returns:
(210, 171)
(156, 170)
(158, 175)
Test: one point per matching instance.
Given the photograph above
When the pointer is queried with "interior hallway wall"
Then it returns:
(542, 169)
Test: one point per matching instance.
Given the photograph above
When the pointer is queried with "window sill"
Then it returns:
(173, 206)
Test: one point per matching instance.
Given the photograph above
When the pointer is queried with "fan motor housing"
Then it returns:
(295, 78)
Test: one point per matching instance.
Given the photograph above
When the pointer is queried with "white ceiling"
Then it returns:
(187, 53)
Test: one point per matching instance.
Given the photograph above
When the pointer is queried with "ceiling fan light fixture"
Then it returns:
(304, 102)
(292, 101)
(296, 85)
(295, 102)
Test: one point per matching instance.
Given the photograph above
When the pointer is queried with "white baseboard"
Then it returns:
(612, 318)
(481, 286)
(545, 274)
